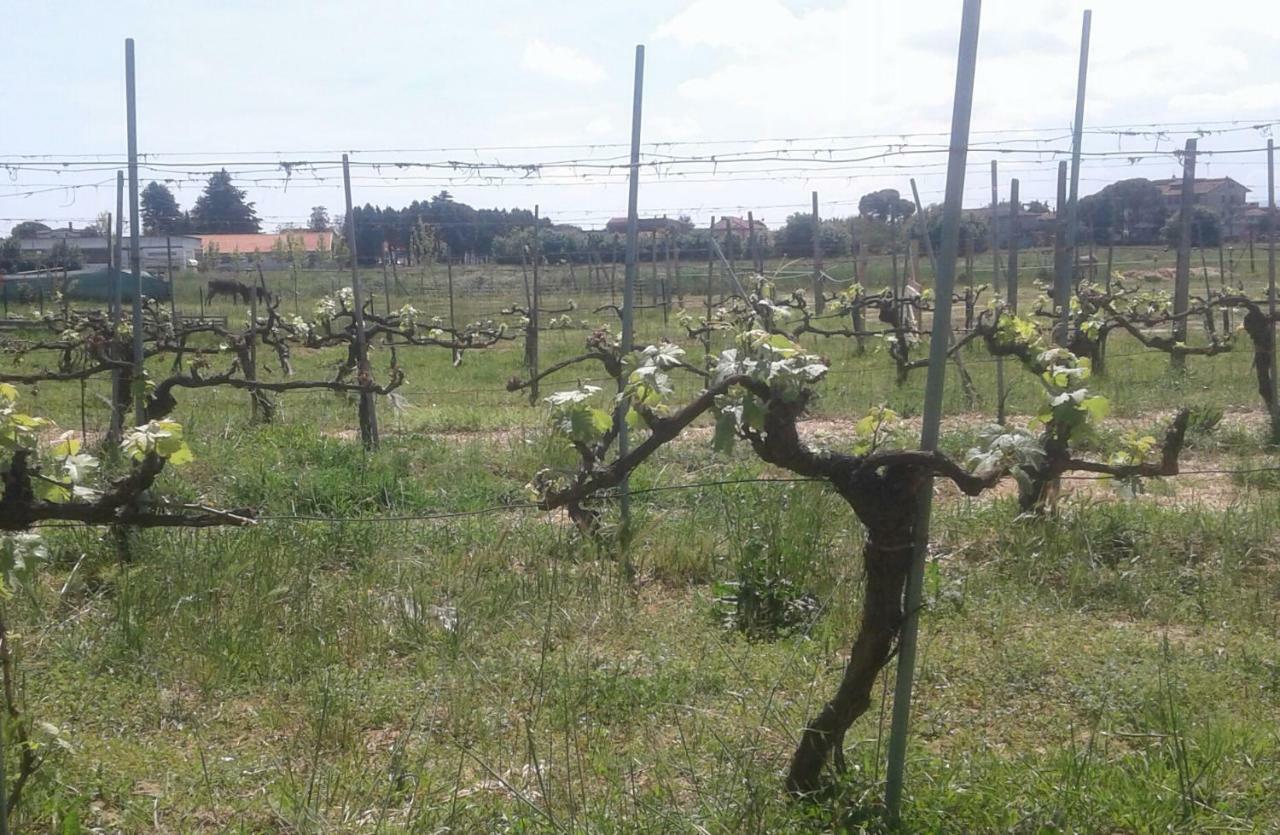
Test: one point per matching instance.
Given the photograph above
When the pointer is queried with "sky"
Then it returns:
(842, 97)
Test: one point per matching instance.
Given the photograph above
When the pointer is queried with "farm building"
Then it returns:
(156, 249)
(272, 248)
(647, 225)
(739, 228)
(1221, 195)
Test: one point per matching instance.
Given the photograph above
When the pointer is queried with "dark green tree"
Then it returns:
(222, 208)
(319, 221)
(1125, 212)
(160, 212)
(795, 240)
(27, 229)
(886, 205)
(1206, 228)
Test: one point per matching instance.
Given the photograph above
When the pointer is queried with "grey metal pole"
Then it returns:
(629, 281)
(173, 294)
(962, 109)
(1011, 280)
(533, 310)
(135, 233)
(1182, 274)
(995, 282)
(1271, 284)
(1061, 260)
(117, 289)
(711, 271)
(818, 302)
(1077, 130)
(368, 416)
(752, 243)
(924, 231)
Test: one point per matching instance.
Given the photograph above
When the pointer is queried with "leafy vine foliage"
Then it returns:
(62, 483)
(758, 391)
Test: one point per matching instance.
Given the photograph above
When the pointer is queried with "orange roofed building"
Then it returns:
(266, 243)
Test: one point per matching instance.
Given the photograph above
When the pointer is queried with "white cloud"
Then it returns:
(563, 63)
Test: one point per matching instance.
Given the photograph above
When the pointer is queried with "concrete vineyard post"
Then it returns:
(957, 158)
(1182, 275)
(533, 308)
(629, 279)
(1077, 132)
(368, 414)
(995, 282)
(135, 233)
(818, 302)
(1011, 278)
(1061, 261)
(1271, 284)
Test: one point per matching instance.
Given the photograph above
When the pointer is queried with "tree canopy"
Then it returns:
(1125, 212)
(1206, 228)
(160, 212)
(223, 209)
(887, 205)
(319, 220)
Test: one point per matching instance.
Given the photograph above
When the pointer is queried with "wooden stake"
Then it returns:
(368, 414)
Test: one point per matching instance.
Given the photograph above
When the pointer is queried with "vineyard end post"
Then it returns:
(957, 158)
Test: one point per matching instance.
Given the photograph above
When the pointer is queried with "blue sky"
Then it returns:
(220, 81)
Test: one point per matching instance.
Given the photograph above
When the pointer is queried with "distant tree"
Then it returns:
(160, 212)
(319, 221)
(886, 205)
(1128, 211)
(795, 240)
(223, 209)
(65, 255)
(28, 229)
(1037, 207)
(103, 224)
(1206, 228)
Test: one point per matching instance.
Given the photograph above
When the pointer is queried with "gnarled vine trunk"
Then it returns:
(886, 504)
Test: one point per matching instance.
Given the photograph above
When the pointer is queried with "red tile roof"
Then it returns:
(265, 242)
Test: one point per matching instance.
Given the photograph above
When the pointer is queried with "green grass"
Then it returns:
(1111, 669)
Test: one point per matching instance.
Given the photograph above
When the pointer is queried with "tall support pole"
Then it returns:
(135, 234)
(1014, 233)
(818, 302)
(1061, 261)
(1182, 274)
(368, 415)
(633, 253)
(924, 230)
(1077, 133)
(711, 274)
(173, 287)
(117, 277)
(859, 318)
(946, 276)
(1271, 285)
(533, 310)
(995, 281)
(753, 243)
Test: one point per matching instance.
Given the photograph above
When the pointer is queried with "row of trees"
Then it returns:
(221, 208)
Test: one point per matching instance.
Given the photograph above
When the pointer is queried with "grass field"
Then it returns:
(1113, 668)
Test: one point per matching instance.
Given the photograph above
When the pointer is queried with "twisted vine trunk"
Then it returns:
(887, 504)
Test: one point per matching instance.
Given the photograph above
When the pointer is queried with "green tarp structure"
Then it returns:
(95, 284)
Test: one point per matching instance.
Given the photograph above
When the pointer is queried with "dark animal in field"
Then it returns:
(230, 287)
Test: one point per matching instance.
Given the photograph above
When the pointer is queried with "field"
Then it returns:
(401, 646)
